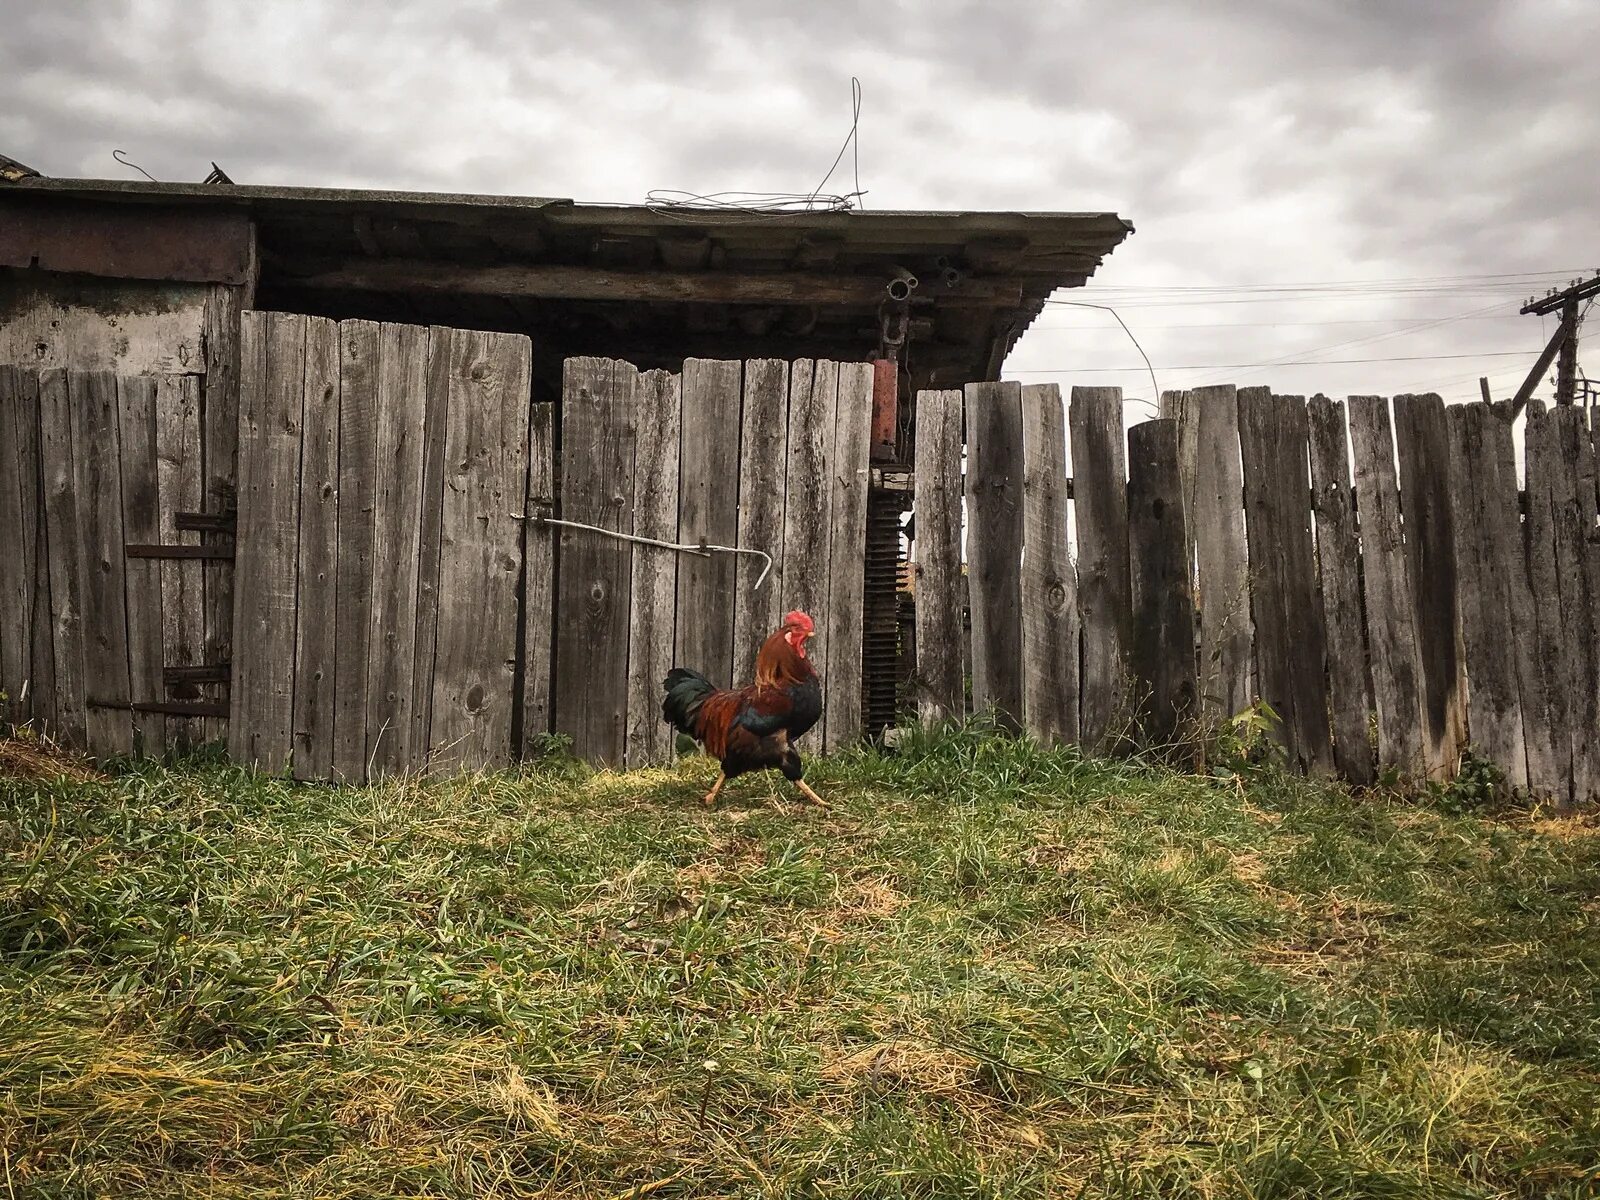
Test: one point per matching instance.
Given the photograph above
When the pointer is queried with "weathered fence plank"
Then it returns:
(595, 579)
(64, 565)
(1049, 581)
(316, 605)
(1482, 500)
(651, 625)
(1577, 443)
(1162, 652)
(844, 612)
(708, 510)
(269, 486)
(181, 486)
(1215, 515)
(1511, 566)
(396, 535)
(1556, 544)
(360, 351)
(1424, 450)
(1339, 572)
(1284, 604)
(538, 588)
(220, 457)
(1386, 584)
(807, 517)
(763, 455)
(994, 546)
(435, 415)
(27, 676)
(936, 558)
(138, 421)
(1100, 502)
(96, 473)
(485, 479)
(1572, 490)
(1180, 406)
(19, 405)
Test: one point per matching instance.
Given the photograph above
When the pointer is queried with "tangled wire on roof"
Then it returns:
(670, 201)
(769, 205)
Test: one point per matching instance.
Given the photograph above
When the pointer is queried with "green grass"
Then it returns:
(990, 970)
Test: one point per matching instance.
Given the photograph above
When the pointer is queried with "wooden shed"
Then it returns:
(139, 317)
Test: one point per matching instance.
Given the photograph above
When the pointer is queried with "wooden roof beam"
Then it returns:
(556, 282)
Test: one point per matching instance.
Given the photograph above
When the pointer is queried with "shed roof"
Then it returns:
(645, 282)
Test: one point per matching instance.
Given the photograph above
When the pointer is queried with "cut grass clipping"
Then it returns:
(991, 970)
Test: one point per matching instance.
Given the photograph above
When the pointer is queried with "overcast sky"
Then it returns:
(1329, 143)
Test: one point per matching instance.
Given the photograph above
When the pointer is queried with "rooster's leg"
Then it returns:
(805, 790)
(711, 796)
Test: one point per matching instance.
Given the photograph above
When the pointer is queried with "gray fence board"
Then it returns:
(480, 531)
(936, 557)
(994, 546)
(763, 461)
(19, 402)
(1049, 580)
(1162, 652)
(844, 612)
(360, 351)
(1215, 511)
(435, 413)
(1285, 606)
(220, 472)
(538, 573)
(653, 614)
(97, 480)
(1424, 450)
(1100, 503)
(708, 510)
(269, 487)
(180, 466)
(595, 577)
(1386, 586)
(1339, 573)
(808, 507)
(316, 602)
(141, 523)
(1481, 496)
(396, 538)
(64, 562)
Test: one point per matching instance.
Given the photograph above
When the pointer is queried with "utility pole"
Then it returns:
(1563, 345)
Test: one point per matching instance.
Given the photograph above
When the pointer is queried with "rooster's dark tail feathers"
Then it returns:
(686, 691)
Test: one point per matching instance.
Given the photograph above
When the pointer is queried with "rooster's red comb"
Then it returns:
(796, 619)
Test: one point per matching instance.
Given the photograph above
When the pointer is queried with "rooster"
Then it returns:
(753, 728)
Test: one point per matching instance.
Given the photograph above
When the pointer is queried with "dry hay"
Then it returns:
(906, 1062)
(38, 758)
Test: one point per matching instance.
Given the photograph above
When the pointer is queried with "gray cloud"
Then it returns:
(1251, 142)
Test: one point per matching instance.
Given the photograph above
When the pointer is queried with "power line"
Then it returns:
(1281, 324)
(1406, 281)
(1310, 362)
(1379, 337)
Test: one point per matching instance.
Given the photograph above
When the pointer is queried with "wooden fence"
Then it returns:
(401, 603)
(115, 585)
(763, 455)
(382, 470)
(1392, 616)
